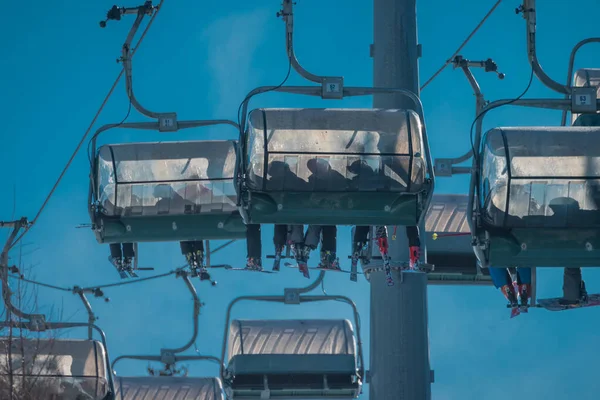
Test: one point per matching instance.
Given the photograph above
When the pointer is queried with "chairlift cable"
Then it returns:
(82, 141)
(121, 283)
(464, 43)
(89, 288)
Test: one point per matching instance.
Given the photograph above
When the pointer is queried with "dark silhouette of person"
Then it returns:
(365, 178)
(323, 178)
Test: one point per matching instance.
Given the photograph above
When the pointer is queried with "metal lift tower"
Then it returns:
(399, 338)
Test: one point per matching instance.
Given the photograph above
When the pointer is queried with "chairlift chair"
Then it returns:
(538, 196)
(165, 191)
(331, 166)
(295, 358)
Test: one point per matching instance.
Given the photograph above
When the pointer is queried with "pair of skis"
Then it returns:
(361, 248)
(127, 268)
(302, 266)
(521, 295)
(382, 243)
(556, 303)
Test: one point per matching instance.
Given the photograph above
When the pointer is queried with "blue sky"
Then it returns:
(200, 59)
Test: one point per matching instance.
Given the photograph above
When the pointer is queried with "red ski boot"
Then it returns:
(509, 292)
(415, 255)
(524, 294)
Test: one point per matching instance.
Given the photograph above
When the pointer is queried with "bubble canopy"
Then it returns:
(307, 164)
(538, 195)
(153, 181)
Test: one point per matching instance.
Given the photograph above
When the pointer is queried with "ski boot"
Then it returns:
(277, 261)
(195, 261)
(524, 291)
(253, 264)
(190, 258)
(584, 294)
(382, 242)
(509, 292)
(415, 255)
(117, 262)
(583, 297)
(329, 261)
(365, 254)
(199, 256)
(301, 254)
(361, 253)
(128, 267)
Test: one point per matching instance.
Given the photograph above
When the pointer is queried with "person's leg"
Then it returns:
(361, 235)
(128, 254)
(115, 251)
(313, 236)
(253, 246)
(359, 243)
(414, 245)
(116, 256)
(381, 234)
(501, 279)
(524, 284)
(329, 247)
(301, 252)
(573, 286)
(186, 248)
(198, 246)
(280, 237)
(297, 234)
(329, 238)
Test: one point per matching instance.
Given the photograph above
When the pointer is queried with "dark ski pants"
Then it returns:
(280, 234)
(127, 252)
(412, 232)
(572, 283)
(191, 246)
(501, 277)
(361, 234)
(253, 241)
(327, 235)
(280, 237)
